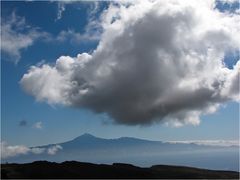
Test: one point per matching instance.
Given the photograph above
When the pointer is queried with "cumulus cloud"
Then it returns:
(38, 125)
(8, 151)
(54, 149)
(17, 35)
(162, 63)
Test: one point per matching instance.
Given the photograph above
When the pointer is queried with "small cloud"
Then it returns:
(53, 150)
(38, 125)
(22, 123)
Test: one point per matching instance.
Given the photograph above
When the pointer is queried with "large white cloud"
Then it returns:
(156, 61)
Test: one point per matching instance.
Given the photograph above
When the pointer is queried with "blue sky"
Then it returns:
(60, 123)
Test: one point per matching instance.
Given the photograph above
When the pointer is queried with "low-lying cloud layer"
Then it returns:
(221, 143)
(8, 151)
(156, 61)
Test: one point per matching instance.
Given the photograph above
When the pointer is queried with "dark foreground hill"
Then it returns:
(73, 169)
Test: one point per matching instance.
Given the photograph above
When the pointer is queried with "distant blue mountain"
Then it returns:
(88, 140)
(88, 148)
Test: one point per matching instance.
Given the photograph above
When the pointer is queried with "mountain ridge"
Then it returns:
(89, 136)
(89, 148)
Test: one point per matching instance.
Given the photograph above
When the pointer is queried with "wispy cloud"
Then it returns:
(93, 29)
(93, 7)
(61, 9)
(75, 37)
(17, 35)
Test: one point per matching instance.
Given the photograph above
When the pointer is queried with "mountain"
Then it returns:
(73, 170)
(88, 148)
